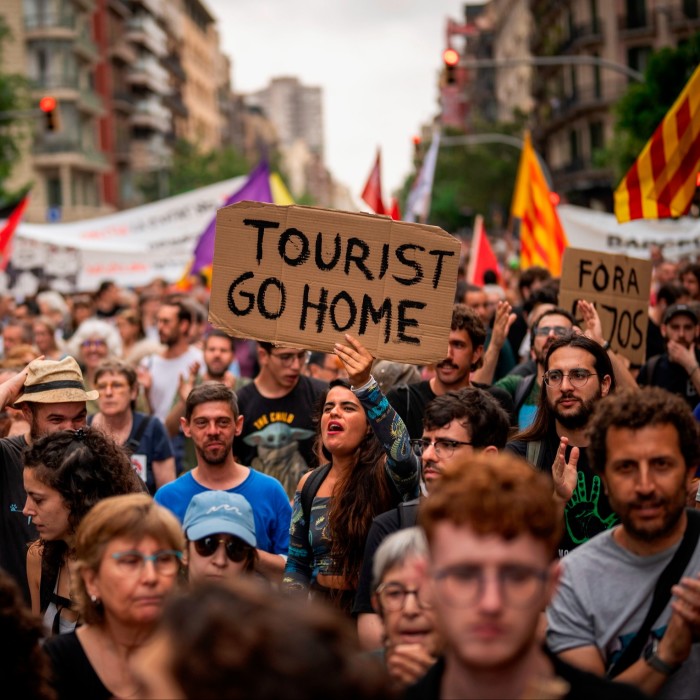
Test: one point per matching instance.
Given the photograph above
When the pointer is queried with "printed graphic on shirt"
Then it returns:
(277, 445)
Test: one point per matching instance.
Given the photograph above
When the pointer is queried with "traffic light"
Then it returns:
(450, 58)
(49, 107)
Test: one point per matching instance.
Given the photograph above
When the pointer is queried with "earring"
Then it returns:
(95, 599)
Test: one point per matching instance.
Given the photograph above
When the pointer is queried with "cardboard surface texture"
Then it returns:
(303, 276)
(619, 287)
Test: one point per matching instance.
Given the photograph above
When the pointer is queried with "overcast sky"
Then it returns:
(376, 60)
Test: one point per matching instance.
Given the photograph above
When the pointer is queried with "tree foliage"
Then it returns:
(471, 180)
(192, 168)
(14, 96)
(644, 105)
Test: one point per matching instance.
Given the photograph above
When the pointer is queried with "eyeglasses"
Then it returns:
(393, 596)
(577, 377)
(443, 448)
(558, 331)
(463, 585)
(166, 562)
(114, 386)
(96, 343)
(286, 359)
(236, 550)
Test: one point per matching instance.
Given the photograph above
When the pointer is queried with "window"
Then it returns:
(53, 191)
(595, 133)
(636, 13)
(638, 57)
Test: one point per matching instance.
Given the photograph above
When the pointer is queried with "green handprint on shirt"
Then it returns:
(581, 515)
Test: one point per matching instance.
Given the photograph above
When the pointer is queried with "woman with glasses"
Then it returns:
(220, 532)
(65, 474)
(93, 342)
(141, 434)
(128, 551)
(370, 469)
(403, 601)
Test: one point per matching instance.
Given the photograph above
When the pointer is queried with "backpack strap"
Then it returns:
(310, 489)
(532, 453)
(649, 369)
(133, 442)
(408, 513)
(662, 593)
(522, 391)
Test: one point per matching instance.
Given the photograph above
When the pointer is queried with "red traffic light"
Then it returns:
(47, 104)
(450, 57)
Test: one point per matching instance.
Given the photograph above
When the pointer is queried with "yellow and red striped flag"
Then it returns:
(542, 237)
(662, 181)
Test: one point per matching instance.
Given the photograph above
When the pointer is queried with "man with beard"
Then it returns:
(212, 421)
(578, 373)
(52, 397)
(678, 369)
(645, 446)
(160, 373)
(465, 349)
(525, 390)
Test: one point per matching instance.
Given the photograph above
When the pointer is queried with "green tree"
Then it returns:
(14, 97)
(192, 168)
(644, 105)
(471, 180)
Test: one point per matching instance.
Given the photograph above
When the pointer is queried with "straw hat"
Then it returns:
(49, 381)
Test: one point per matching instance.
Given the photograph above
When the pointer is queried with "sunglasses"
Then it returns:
(236, 550)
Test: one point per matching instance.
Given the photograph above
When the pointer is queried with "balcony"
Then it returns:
(122, 51)
(145, 31)
(155, 7)
(50, 25)
(582, 100)
(175, 104)
(150, 154)
(58, 150)
(89, 101)
(123, 101)
(686, 18)
(151, 114)
(636, 26)
(120, 7)
(85, 47)
(582, 34)
(147, 72)
(87, 5)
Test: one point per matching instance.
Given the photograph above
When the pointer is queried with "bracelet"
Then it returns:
(606, 345)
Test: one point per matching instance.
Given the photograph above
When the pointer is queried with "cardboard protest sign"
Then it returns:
(304, 276)
(619, 287)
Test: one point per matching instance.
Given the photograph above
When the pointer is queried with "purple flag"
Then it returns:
(255, 189)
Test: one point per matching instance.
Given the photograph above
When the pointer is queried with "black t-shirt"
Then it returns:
(410, 400)
(588, 512)
(74, 678)
(278, 434)
(670, 376)
(582, 684)
(382, 526)
(16, 532)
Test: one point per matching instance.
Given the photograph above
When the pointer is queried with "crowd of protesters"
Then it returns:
(190, 515)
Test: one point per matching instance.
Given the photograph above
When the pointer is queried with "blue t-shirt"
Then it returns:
(271, 509)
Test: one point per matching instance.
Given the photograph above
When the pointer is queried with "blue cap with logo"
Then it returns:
(220, 512)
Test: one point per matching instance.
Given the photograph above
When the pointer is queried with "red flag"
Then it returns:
(372, 194)
(7, 231)
(395, 212)
(481, 255)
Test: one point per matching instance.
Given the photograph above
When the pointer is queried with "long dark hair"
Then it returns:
(84, 466)
(359, 496)
(544, 418)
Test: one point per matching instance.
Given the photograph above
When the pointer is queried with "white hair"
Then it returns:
(53, 300)
(95, 328)
(396, 549)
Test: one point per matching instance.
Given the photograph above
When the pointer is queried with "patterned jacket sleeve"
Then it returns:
(300, 560)
(402, 465)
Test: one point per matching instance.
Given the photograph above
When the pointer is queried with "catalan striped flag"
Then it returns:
(542, 237)
(662, 181)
